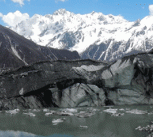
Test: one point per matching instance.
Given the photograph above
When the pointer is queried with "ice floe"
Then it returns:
(30, 114)
(150, 113)
(117, 114)
(84, 127)
(114, 112)
(136, 111)
(45, 110)
(148, 128)
(12, 112)
(121, 109)
(65, 113)
(36, 110)
(60, 113)
(49, 113)
(110, 110)
(84, 114)
(57, 121)
(72, 110)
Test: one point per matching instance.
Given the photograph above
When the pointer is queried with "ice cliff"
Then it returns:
(79, 83)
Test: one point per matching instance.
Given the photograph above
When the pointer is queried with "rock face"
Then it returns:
(17, 51)
(79, 83)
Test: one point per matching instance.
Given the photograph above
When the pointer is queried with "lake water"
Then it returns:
(117, 121)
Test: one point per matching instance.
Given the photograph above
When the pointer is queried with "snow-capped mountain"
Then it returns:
(94, 35)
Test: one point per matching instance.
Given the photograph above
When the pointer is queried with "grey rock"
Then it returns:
(79, 83)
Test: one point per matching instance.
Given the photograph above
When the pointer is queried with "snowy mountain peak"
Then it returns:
(93, 35)
(93, 12)
(61, 12)
(147, 21)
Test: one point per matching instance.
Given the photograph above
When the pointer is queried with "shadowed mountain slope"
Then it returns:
(16, 51)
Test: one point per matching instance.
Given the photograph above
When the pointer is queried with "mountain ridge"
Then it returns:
(93, 35)
(16, 51)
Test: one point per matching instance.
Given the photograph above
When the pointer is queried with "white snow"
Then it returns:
(86, 30)
(59, 23)
(21, 91)
(17, 55)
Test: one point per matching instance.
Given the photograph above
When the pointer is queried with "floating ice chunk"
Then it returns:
(47, 114)
(71, 110)
(30, 114)
(50, 113)
(65, 114)
(117, 114)
(83, 126)
(148, 128)
(45, 110)
(62, 113)
(110, 110)
(139, 127)
(150, 113)
(83, 114)
(56, 121)
(127, 109)
(108, 106)
(135, 111)
(82, 111)
(15, 111)
(121, 109)
(93, 109)
(36, 110)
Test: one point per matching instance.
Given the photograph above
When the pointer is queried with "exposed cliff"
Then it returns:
(79, 83)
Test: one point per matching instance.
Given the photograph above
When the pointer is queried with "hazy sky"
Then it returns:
(16, 10)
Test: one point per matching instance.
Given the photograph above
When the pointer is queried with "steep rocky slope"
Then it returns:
(16, 51)
(93, 35)
(79, 83)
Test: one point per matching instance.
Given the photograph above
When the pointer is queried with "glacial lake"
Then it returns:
(113, 121)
